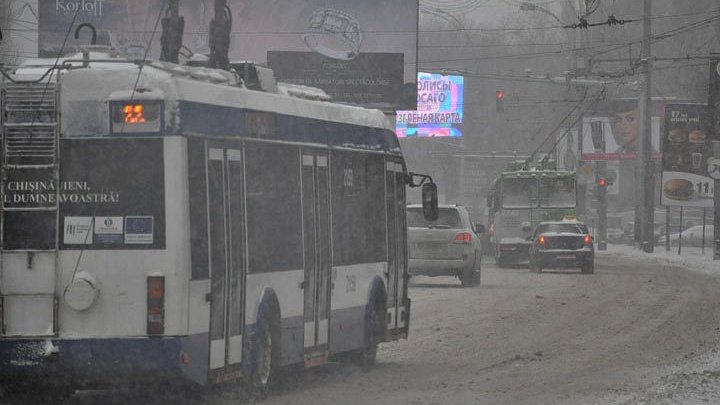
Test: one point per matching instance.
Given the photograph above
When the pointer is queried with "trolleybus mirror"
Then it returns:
(430, 201)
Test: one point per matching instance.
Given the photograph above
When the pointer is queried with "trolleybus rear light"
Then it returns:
(463, 237)
(155, 305)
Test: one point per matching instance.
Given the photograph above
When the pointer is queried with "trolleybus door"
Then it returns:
(227, 256)
(316, 228)
(396, 272)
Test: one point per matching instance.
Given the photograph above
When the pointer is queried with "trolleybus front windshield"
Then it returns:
(531, 192)
(557, 192)
(519, 192)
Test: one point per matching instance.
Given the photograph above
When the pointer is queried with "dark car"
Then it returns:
(563, 244)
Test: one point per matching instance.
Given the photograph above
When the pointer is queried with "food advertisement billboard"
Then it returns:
(686, 153)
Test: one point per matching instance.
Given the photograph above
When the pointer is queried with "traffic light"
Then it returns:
(601, 184)
(499, 101)
(604, 181)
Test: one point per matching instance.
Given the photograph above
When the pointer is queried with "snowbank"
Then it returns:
(692, 258)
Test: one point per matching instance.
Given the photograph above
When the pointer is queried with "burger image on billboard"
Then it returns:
(678, 189)
(697, 136)
(677, 135)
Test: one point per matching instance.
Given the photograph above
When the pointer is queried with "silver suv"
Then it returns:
(448, 246)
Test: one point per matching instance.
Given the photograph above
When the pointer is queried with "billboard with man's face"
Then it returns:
(357, 51)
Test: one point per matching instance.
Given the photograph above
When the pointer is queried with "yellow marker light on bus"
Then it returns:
(133, 114)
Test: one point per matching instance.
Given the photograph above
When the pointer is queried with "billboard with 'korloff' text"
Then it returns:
(360, 52)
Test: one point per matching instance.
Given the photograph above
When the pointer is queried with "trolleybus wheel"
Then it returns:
(266, 356)
(500, 259)
(534, 268)
(377, 323)
(470, 277)
(478, 270)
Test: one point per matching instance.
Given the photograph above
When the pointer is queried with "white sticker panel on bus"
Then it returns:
(139, 230)
(108, 229)
(78, 231)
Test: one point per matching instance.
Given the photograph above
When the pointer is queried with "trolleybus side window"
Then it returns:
(198, 209)
(273, 208)
(359, 229)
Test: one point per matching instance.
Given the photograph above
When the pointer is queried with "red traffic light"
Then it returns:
(601, 182)
(499, 95)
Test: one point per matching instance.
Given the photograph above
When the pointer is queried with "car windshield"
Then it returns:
(561, 228)
(448, 218)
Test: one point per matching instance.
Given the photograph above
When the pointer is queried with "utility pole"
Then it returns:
(601, 183)
(220, 27)
(714, 163)
(645, 181)
(716, 220)
(172, 33)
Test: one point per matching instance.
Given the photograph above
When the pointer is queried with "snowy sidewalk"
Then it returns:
(696, 381)
(692, 258)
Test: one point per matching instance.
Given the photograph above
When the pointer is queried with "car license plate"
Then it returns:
(427, 246)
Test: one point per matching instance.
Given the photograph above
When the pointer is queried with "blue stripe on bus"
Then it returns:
(106, 360)
(213, 120)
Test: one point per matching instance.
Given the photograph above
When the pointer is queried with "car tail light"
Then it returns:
(155, 305)
(587, 240)
(541, 240)
(463, 237)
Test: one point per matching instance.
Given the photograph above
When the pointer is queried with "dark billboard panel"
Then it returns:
(370, 79)
(686, 151)
(342, 31)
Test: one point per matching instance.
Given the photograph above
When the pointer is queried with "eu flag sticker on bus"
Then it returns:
(108, 230)
(139, 230)
(78, 231)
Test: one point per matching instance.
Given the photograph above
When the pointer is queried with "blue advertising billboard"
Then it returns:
(439, 108)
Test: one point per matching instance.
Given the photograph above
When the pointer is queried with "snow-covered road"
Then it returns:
(642, 329)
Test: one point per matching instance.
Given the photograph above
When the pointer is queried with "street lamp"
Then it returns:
(571, 37)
